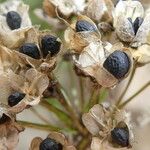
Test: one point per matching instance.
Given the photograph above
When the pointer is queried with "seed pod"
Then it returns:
(120, 136)
(50, 144)
(83, 25)
(31, 50)
(118, 64)
(50, 45)
(13, 20)
(15, 98)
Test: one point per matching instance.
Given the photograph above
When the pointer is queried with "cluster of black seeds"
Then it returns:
(120, 136)
(118, 64)
(13, 20)
(15, 98)
(50, 144)
(83, 25)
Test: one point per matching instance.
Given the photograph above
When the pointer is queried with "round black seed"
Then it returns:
(83, 25)
(118, 64)
(49, 44)
(50, 144)
(15, 98)
(137, 23)
(13, 20)
(30, 49)
(120, 136)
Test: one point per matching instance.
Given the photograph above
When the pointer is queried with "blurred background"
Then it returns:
(139, 107)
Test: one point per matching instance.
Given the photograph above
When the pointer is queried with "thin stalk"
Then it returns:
(134, 95)
(39, 115)
(59, 113)
(38, 126)
(127, 86)
(81, 92)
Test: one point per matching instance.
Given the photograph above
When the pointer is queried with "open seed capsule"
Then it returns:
(50, 144)
(13, 20)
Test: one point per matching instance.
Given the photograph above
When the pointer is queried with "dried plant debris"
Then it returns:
(54, 141)
(14, 21)
(9, 129)
(110, 129)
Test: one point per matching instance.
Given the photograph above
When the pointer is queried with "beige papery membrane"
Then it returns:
(58, 137)
(91, 60)
(77, 41)
(124, 13)
(9, 129)
(99, 10)
(13, 78)
(100, 121)
(13, 38)
(42, 64)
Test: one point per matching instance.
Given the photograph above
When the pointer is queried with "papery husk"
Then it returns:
(78, 40)
(13, 38)
(58, 137)
(100, 10)
(9, 130)
(91, 61)
(99, 123)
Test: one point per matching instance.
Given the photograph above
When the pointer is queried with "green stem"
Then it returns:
(38, 126)
(134, 95)
(127, 86)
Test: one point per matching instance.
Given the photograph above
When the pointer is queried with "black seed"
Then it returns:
(13, 20)
(50, 144)
(120, 136)
(137, 23)
(49, 44)
(30, 49)
(83, 25)
(15, 98)
(118, 64)
(4, 119)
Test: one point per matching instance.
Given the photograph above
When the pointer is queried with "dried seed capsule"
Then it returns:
(137, 23)
(13, 20)
(50, 144)
(30, 49)
(120, 136)
(83, 25)
(118, 64)
(50, 44)
(15, 98)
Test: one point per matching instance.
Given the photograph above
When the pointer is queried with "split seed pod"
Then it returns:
(14, 23)
(131, 23)
(81, 33)
(105, 63)
(54, 140)
(110, 131)
(100, 10)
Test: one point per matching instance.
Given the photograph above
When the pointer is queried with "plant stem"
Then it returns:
(127, 86)
(81, 92)
(38, 126)
(134, 95)
(59, 113)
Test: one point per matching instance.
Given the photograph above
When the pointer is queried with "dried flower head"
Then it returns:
(81, 33)
(131, 23)
(99, 10)
(9, 129)
(105, 63)
(110, 129)
(14, 21)
(54, 141)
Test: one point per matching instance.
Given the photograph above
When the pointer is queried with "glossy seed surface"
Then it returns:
(13, 20)
(120, 136)
(49, 44)
(15, 98)
(118, 64)
(83, 25)
(137, 23)
(31, 50)
(50, 144)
